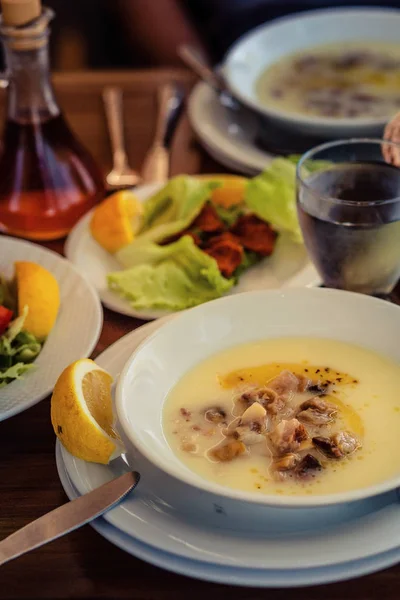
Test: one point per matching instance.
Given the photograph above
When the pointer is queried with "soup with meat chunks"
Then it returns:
(288, 416)
(347, 80)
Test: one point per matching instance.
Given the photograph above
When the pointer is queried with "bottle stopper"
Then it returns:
(17, 13)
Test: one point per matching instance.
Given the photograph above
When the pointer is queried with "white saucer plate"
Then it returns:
(287, 267)
(229, 137)
(74, 334)
(372, 528)
(229, 575)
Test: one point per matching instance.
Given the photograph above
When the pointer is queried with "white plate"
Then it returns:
(372, 528)
(287, 267)
(229, 575)
(229, 136)
(74, 334)
(266, 44)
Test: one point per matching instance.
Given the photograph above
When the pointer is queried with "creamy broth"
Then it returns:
(363, 388)
(353, 80)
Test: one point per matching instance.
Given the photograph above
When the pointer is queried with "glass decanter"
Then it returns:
(48, 180)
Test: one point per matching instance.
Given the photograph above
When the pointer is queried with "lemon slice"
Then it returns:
(116, 221)
(37, 289)
(231, 191)
(82, 415)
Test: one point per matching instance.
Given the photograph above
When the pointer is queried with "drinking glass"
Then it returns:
(348, 202)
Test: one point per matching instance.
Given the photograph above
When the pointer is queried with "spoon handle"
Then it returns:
(67, 517)
(192, 57)
(112, 98)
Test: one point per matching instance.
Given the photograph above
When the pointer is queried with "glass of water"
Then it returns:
(348, 202)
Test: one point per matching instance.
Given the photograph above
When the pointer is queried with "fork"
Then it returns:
(121, 175)
(155, 166)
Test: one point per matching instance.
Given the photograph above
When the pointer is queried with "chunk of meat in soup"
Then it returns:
(215, 415)
(251, 427)
(338, 446)
(288, 436)
(286, 384)
(228, 451)
(287, 462)
(304, 383)
(294, 465)
(316, 411)
(268, 398)
(307, 467)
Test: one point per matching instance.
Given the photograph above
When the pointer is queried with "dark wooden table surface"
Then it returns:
(83, 564)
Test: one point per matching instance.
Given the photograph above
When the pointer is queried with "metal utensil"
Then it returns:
(121, 174)
(268, 136)
(156, 163)
(67, 517)
(195, 60)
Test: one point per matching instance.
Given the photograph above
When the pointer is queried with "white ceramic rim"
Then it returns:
(192, 479)
(238, 154)
(137, 520)
(85, 351)
(292, 118)
(264, 578)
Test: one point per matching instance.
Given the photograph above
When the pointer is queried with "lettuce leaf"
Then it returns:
(249, 260)
(172, 277)
(272, 197)
(311, 165)
(174, 207)
(16, 371)
(18, 349)
(229, 215)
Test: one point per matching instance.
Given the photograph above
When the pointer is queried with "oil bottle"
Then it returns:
(48, 180)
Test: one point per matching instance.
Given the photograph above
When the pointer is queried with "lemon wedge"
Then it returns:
(116, 221)
(37, 289)
(231, 191)
(82, 415)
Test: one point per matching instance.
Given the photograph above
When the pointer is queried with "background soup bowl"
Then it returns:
(179, 345)
(254, 52)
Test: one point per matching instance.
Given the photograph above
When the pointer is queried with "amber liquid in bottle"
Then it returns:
(47, 178)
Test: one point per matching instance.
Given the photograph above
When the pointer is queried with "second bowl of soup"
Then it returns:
(329, 72)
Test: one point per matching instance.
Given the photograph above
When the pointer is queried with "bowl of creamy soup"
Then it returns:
(330, 73)
(271, 398)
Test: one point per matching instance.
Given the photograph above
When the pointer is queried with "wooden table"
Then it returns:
(83, 564)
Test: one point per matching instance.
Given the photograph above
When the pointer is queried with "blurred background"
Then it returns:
(101, 34)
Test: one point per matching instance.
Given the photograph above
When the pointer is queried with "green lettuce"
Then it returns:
(173, 208)
(18, 349)
(310, 165)
(249, 260)
(272, 197)
(172, 277)
(229, 215)
(16, 371)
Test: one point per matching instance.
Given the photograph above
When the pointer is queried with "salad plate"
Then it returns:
(288, 266)
(366, 541)
(74, 334)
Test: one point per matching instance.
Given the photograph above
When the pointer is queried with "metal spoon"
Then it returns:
(195, 60)
(121, 175)
(67, 518)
